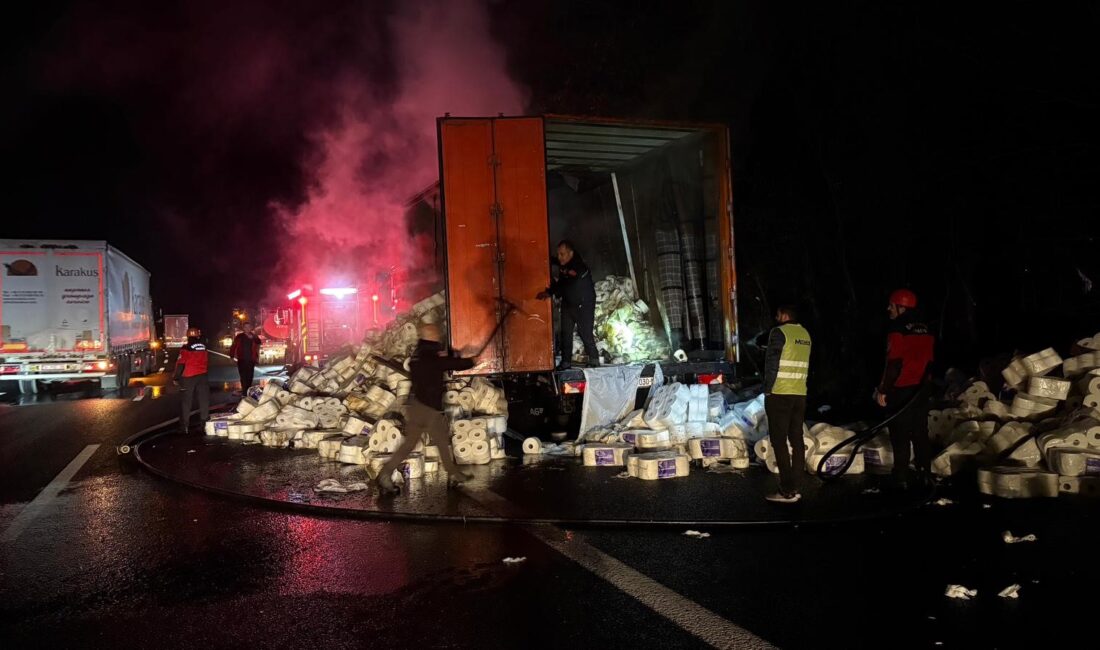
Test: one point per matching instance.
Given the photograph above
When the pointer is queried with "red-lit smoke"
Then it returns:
(380, 148)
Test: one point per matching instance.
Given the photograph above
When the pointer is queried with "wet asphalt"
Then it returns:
(123, 559)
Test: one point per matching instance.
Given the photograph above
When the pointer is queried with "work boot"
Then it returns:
(780, 497)
(385, 485)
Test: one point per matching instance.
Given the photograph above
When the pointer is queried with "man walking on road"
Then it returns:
(424, 410)
(910, 347)
(786, 367)
(245, 351)
(577, 291)
(191, 377)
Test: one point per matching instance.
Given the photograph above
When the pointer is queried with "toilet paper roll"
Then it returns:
(478, 433)
(460, 438)
(532, 446)
(217, 428)
(460, 426)
(497, 424)
(431, 466)
(606, 455)
(431, 452)
(652, 439)
(450, 397)
(1092, 437)
(479, 423)
(412, 467)
(463, 451)
(680, 356)
(763, 449)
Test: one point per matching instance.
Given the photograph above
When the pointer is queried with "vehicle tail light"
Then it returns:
(713, 378)
(9, 370)
(573, 387)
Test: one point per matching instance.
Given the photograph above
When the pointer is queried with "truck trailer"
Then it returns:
(646, 200)
(73, 310)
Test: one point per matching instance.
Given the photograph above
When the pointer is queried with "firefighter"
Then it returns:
(191, 377)
(424, 409)
(245, 351)
(786, 367)
(904, 387)
(577, 291)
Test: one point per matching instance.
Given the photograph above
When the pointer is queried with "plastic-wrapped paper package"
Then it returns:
(1015, 373)
(955, 457)
(236, 428)
(721, 448)
(354, 450)
(996, 408)
(1007, 437)
(1042, 362)
(1068, 461)
(1027, 454)
(276, 437)
(1017, 482)
(834, 463)
(1081, 364)
(1049, 387)
(1026, 405)
(329, 446)
(646, 438)
(606, 455)
(311, 438)
(354, 426)
(654, 466)
(878, 455)
(1080, 485)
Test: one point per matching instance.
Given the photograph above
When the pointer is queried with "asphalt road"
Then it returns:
(113, 557)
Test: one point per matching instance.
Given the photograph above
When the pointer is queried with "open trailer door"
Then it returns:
(493, 177)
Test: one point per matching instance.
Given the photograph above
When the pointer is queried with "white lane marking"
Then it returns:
(690, 616)
(47, 495)
(220, 354)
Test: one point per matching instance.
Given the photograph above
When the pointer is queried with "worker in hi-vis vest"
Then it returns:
(786, 367)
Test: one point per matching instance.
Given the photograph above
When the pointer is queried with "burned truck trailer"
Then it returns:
(648, 202)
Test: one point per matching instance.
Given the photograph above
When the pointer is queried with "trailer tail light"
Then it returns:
(96, 366)
(13, 347)
(713, 378)
(9, 370)
(573, 387)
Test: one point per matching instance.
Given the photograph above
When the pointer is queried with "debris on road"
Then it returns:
(697, 534)
(350, 410)
(960, 592)
(1012, 539)
(1011, 591)
(943, 501)
(514, 560)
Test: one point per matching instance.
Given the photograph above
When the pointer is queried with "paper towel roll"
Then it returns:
(532, 446)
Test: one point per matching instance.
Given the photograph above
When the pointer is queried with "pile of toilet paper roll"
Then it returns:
(473, 397)
(478, 440)
(622, 327)
(349, 410)
(818, 440)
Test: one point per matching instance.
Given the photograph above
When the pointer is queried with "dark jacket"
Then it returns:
(426, 370)
(910, 346)
(574, 283)
(243, 341)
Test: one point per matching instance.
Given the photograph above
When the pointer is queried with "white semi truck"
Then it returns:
(73, 310)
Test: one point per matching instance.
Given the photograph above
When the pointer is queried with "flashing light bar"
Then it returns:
(339, 292)
(293, 294)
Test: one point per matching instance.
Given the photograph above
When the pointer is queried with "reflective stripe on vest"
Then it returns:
(794, 362)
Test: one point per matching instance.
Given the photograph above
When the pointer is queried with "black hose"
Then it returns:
(863, 437)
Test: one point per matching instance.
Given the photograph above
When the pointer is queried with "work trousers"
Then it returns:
(786, 415)
(189, 387)
(247, 370)
(583, 317)
(910, 426)
(419, 419)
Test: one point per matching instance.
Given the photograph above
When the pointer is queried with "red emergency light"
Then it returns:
(293, 294)
(374, 297)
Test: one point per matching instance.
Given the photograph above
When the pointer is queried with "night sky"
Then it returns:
(875, 144)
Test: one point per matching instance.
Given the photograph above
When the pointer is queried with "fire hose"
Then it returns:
(861, 438)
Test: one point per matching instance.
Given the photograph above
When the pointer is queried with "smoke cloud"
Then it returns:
(381, 148)
(262, 144)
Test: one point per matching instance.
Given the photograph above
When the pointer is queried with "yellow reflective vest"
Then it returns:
(794, 361)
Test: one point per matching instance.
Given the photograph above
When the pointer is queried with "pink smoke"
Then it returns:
(381, 150)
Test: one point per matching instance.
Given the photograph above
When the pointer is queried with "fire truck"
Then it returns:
(317, 321)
